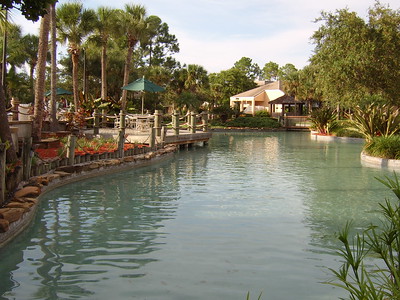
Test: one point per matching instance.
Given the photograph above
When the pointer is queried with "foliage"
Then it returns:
(262, 113)
(344, 132)
(248, 296)
(253, 122)
(355, 58)
(230, 82)
(375, 120)
(223, 112)
(30, 9)
(324, 120)
(247, 67)
(271, 71)
(384, 147)
(355, 275)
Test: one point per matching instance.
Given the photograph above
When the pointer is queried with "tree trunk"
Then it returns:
(40, 78)
(75, 83)
(104, 72)
(5, 133)
(53, 96)
(32, 81)
(127, 70)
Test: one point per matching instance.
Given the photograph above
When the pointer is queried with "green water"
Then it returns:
(249, 212)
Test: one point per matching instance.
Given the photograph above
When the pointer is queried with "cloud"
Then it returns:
(215, 55)
(217, 33)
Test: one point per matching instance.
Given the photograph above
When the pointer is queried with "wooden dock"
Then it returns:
(185, 137)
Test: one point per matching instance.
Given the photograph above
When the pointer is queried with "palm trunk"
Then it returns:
(75, 82)
(127, 70)
(5, 133)
(53, 99)
(104, 72)
(40, 78)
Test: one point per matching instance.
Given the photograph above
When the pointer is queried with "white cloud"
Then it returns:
(214, 55)
(217, 33)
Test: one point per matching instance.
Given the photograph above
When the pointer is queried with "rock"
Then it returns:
(62, 173)
(31, 200)
(52, 177)
(3, 210)
(26, 206)
(13, 214)
(129, 159)
(4, 225)
(94, 165)
(28, 191)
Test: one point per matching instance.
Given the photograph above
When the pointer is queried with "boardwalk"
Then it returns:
(143, 137)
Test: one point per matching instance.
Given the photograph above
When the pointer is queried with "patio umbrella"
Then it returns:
(143, 85)
(59, 91)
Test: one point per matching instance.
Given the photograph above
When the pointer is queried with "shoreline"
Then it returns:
(21, 210)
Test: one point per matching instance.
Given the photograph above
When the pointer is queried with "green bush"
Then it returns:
(375, 120)
(253, 122)
(345, 132)
(262, 113)
(384, 147)
(324, 120)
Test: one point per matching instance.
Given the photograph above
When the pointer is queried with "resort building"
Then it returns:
(269, 97)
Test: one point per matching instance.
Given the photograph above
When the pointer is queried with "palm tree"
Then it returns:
(195, 78)
(40, 77)
(5, 133)
(106, 26)
(74, 24)
(133, 23)
(29, 45)
(53, 77)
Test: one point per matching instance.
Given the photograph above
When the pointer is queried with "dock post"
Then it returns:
(163, 135)
(204, 120)
(157, 122)
(193, 122)
(103, 118)
(27, 158)
(15, 108)
(96, 122)
(71, 149)
(175, 122)
(152, 138)
(121, 134)
(3, 151)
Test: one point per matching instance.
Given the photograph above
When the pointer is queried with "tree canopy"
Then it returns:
(358, 59)
(30, 9)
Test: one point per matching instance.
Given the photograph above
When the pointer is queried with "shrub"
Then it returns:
(356, 276)
(253, 122)
(262, 113)
(384, 147)
(323, 120)
(345, 132)
(375, 120)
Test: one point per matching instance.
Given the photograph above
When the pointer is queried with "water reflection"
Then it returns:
(251, 212)
(90, 232)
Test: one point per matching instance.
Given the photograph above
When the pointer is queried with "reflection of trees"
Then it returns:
(335, 187)
(87, 229)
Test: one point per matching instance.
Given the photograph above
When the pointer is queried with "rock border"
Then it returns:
(16, 216)
(377, 162)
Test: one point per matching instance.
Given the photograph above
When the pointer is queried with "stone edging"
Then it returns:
(372, 161)
(330, 138)
(18, 214)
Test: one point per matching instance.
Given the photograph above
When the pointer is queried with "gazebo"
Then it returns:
(285, 105)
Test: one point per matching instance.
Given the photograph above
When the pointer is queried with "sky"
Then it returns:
(217, 33)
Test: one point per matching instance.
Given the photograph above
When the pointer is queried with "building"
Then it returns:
(269, 97)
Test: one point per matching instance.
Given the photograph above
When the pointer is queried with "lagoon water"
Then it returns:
(251, 212)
